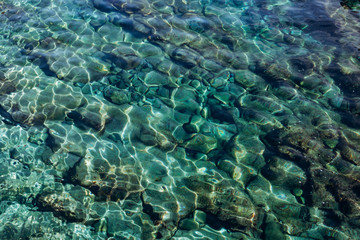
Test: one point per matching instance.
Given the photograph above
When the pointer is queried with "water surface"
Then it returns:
(169, 119)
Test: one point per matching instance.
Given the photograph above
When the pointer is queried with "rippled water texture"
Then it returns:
(180, 119)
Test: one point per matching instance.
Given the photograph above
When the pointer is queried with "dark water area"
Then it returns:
(180, 119)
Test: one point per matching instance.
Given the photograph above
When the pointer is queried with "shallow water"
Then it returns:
(169, 119)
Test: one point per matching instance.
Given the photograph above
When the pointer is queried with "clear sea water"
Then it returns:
(180, 119)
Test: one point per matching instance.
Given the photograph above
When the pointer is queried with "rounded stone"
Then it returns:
(201, 143)
(188, 224)
(297, 192)
(116, 96)
(155, 78)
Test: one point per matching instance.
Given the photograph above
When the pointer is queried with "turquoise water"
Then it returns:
(180, 119)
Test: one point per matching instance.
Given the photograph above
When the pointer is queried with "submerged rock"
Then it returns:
(201, 143)
(139, 119)
(116, 96)
(229, 205)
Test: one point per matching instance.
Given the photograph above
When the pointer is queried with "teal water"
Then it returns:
(180, 119)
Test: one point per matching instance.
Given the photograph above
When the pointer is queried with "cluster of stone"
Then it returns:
(144, 119)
